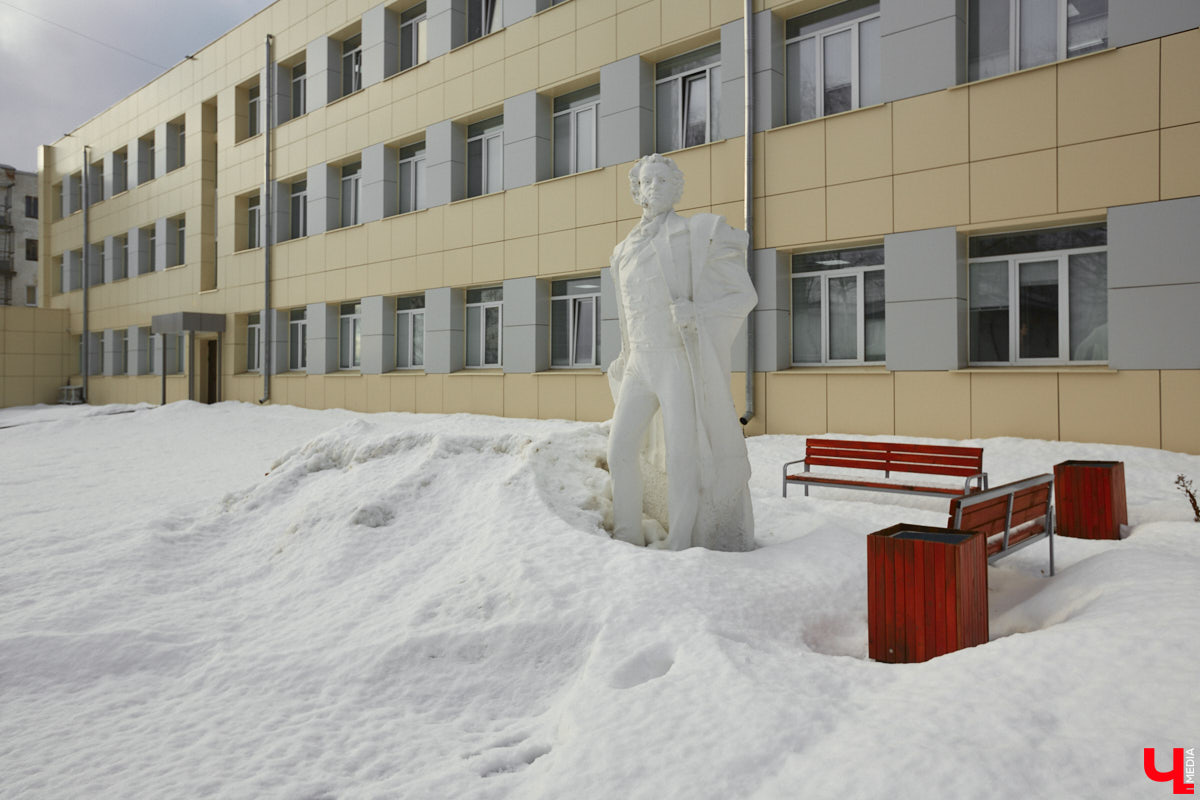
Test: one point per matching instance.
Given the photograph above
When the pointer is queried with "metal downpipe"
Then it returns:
(748, 201)
(267, 209)
(85, 350)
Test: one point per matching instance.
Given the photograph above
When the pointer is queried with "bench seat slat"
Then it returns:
(897, 460)
(895, 447)
(926, 469)
(898, 487)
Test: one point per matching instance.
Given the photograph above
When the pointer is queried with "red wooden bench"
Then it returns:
(888, 457)
(1012, 516)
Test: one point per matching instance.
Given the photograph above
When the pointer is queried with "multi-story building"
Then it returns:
(970, 217)
(18, 237)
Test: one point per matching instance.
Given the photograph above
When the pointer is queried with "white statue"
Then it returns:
(682, 292)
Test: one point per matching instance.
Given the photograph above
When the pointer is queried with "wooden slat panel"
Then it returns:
(926, 469)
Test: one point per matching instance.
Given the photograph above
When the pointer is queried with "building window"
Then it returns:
(1007, 35)
(480, 17)
(351, 193)
(833, 62)
(1039, 297)
(253, 222)
(31, 206)
(485, 157)
(575, 131)
(410, 332)
(575, 322)
(412, 178)
(121, 353)
(178, 253)
(838, 307)
(298, 339)
(176, 139)
(31, 249)
(173, 353)
(252, 113)
(120, 257)
(152, 249)
(412, 37)
(299, 210)
(352, 64)
(485, 317)
(96, 183)
(687, 94)
(254, 342)
(31, 295)
(299, 91)
(74, 189)
(120, 176)
(350, 336)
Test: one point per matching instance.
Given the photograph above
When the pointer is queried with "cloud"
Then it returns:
(52, 80)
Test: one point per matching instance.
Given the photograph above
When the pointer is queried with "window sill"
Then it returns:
(488, 370)
(1010, 369)
(344, 373)
(825, 369)
(571, 371)
(1026, 70)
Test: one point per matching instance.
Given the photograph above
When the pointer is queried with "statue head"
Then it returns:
(656, 183)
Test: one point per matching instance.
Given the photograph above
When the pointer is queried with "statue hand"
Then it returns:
(683, 313)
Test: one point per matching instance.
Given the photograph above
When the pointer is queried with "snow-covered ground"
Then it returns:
(241, 602)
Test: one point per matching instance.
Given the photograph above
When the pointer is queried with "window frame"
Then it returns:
(254, 221)
(415, 20)
(354, 180)
(819, 35)
(28, 249)
(572, 112)
(298, 339)
(254, 342)
(352, 319)
(572, 301)
(253, 100)
(298, 102)
(712, 92)
(31, 203)
(152, 249)
(489, 130)
(413, 157)
(180, 254)
(483, 306)
(352, 64)
(1062, 17)
(859, 272)
(121, 335)
(410, 316)
(486, 11)
(298, 223)
(1014, 262)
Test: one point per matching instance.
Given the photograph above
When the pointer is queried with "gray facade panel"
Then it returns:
(924, 59)
(446, 26)
(626, 130)
(322, 329)
(444, 323)
(380, 45)
(526, 348)
(770, 271)
(925, 265)
(378, 330)
(900, 15)
(1154, 327)
(926, 335)
(1133, 21)
(445, 167)
(1151, 244)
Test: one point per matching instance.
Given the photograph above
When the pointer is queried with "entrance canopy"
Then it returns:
(187, 322)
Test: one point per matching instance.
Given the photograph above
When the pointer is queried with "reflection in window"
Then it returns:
(575, 322)
(575, 131)
(687, 97)
(838, 306)
(485, 157)
(833, 61)
(1007, 35)
(485, 316)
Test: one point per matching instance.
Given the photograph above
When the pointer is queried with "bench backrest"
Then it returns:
(988, 511)
(930, 459)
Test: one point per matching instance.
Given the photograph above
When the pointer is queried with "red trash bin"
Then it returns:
(926, 592)
(1089, 499)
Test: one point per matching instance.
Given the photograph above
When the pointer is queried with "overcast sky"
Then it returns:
(52, 80)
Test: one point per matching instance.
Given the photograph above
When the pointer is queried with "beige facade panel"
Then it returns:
(1014, 186)
(1180, 421)
(1110, 93)
(1180, 89)
(858, 145)
(855, 210)
(521, 395)
(794, 218)
(1014, 404)
(1180, 175)
(796, 154)
(796, 402)
(860, 403)
(1110, 172)
(936, 404)
(638, 29)
(931, 130)
(556, 395)
(1089, 403)
(933, 198)
(593, 398)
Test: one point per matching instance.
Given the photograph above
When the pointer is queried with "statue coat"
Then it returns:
(723, 296)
